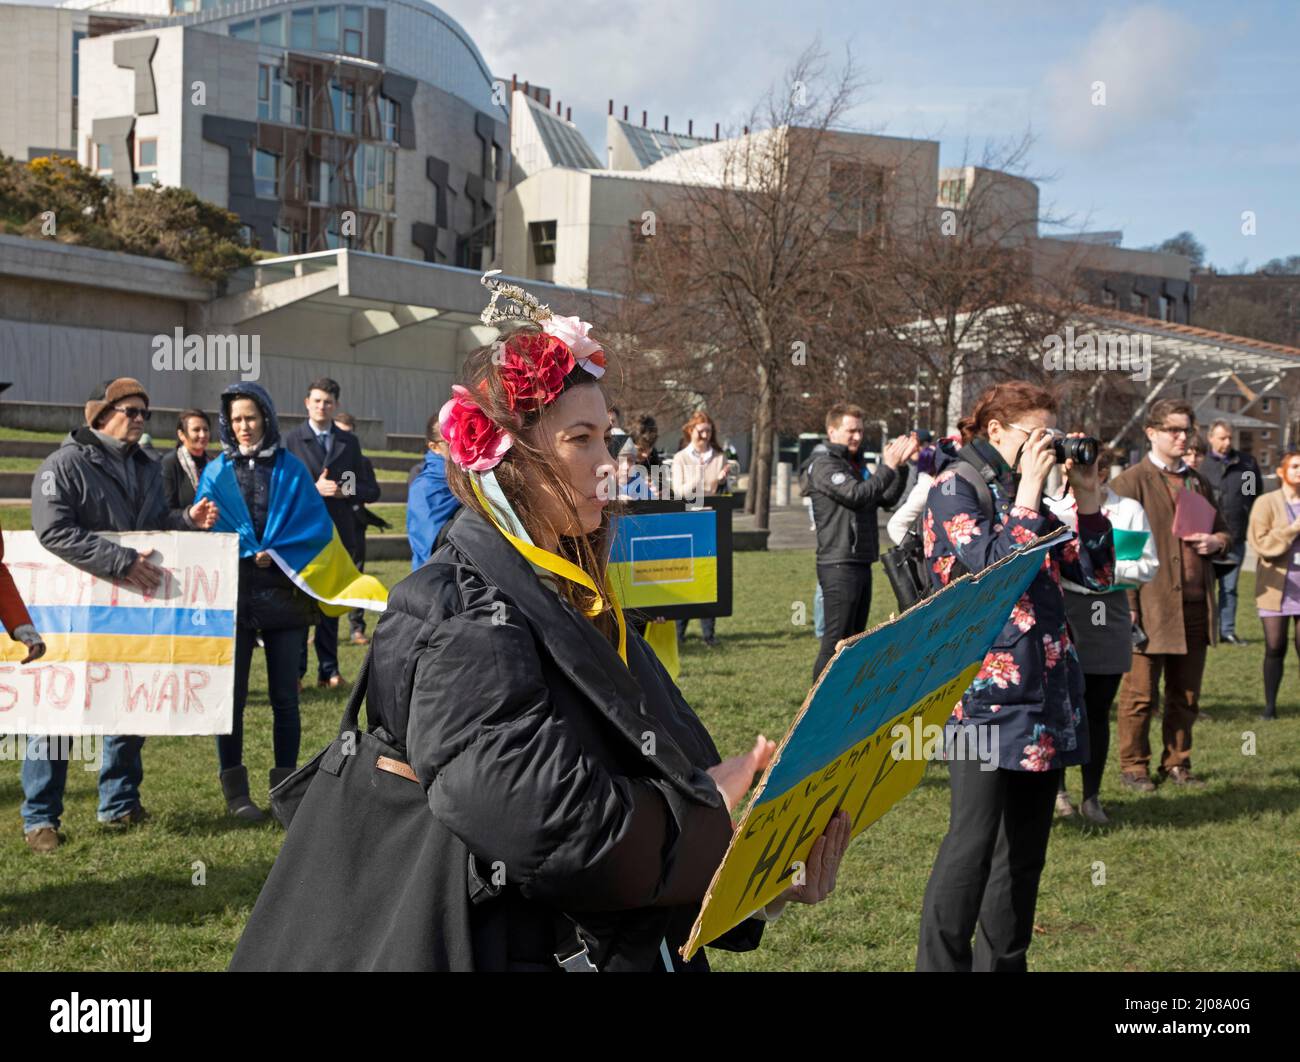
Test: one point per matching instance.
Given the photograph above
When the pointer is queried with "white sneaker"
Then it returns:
(1064, 809)
(1092, 811)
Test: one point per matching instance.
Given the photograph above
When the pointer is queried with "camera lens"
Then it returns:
(1082, 451)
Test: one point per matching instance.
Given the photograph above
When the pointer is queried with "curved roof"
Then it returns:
(410, 50)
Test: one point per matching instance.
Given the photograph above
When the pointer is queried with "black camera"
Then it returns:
(1082, 450)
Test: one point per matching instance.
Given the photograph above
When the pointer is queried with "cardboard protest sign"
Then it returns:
(119, 661)
(842, 749)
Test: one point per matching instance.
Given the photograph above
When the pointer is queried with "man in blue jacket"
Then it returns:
(429, 500)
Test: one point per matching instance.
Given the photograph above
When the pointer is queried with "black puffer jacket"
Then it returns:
(539, 749)
(267, 598)
(845, 505)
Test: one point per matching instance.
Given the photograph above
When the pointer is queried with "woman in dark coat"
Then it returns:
(182, 468)
(1029, 691)
(552, 744)
(269, 604)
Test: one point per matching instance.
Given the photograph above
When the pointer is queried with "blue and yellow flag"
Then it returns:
(299, 534)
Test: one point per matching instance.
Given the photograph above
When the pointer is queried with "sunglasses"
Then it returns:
(131, 412)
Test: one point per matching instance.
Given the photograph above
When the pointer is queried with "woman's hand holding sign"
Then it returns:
(735, 776)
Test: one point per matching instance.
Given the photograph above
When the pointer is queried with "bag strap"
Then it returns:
(352, 713)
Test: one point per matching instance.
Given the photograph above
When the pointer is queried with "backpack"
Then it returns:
(905, 566)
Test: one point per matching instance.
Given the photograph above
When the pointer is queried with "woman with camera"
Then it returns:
(987, 500)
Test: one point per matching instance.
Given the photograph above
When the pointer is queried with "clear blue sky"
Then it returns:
(1200, 121)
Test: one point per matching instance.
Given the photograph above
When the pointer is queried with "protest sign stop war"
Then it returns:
(120, 661)
(840, 750)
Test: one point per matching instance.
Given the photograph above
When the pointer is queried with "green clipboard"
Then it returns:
(1129, 544)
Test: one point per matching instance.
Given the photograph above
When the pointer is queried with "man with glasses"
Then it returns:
(99, 480)
(1174, 613)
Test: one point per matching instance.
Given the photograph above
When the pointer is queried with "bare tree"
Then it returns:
(965, 289)
(733, 280)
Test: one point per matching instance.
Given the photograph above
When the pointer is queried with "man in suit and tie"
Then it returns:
(343, 478)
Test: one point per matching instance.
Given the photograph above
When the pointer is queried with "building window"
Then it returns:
(1166, 309)
(856, 195)
(244, 31)
(104, 160)
(388, 117)
(146, 161)
(301, 102)
(541, 234)
(266, 174)
(272, 30)
(343, 101)
(1266, 406)
(327, 29)
(300, 28)
(1266, 435)
(1137, 303)
(1108, 298)
(375, 172)
(265, 76)
(354, 30)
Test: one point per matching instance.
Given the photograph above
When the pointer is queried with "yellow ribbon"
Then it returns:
(565, 569)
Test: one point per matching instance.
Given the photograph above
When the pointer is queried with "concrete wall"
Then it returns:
(36, 78)
(568, 198)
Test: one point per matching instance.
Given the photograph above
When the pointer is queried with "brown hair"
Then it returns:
(528, 468)
(1281, 461)
(1196, 445)
(1004, 402)
(324, 383)
(1160, 412)
(1107, 456)
(841, 410)
(698, 417)
(432, 432)
(347, 420)
(183, 421)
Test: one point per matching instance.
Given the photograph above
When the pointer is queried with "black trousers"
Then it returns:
(281, 657)
(846, 602)
(357, 617)
(986, 874)
(327, 649)
(1098, 697)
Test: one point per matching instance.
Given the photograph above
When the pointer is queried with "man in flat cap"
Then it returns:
(99, 480)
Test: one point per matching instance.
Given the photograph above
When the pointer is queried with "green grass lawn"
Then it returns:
(24, 433)
(1193, 881)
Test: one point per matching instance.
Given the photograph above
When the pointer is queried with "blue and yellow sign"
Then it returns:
(665, 559)
(839, 751)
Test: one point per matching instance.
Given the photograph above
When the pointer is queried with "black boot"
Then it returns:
(234, 785)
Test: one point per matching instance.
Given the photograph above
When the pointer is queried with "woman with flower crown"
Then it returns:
(559, 759)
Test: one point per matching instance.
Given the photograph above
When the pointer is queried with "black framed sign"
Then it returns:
(671, 562)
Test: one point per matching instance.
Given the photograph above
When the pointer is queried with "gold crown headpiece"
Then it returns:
(529, 308)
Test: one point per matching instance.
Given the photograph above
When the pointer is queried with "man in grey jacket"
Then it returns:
(99, 480)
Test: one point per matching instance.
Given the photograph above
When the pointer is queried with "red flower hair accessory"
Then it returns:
(533, 370)
(473, 441)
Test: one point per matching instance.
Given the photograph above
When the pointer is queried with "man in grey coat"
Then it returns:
(99, 480)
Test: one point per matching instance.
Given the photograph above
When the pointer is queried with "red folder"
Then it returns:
(1193, 515)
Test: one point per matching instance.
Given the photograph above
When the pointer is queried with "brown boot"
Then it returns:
(1138, 782)
(43, 841)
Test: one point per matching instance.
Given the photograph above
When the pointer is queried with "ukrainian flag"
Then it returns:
(299, 534)
(660, 559)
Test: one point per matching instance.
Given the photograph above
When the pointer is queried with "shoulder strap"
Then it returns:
(979, 480)
(352, 713)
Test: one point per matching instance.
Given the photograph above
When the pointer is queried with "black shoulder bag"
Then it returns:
(905, 566)
(366, 879)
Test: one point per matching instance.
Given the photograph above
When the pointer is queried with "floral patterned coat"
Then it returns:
(1030, 685)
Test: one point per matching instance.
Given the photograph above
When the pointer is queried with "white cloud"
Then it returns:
(1150, 61)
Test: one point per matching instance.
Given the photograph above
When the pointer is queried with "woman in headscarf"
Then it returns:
(269, 603)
